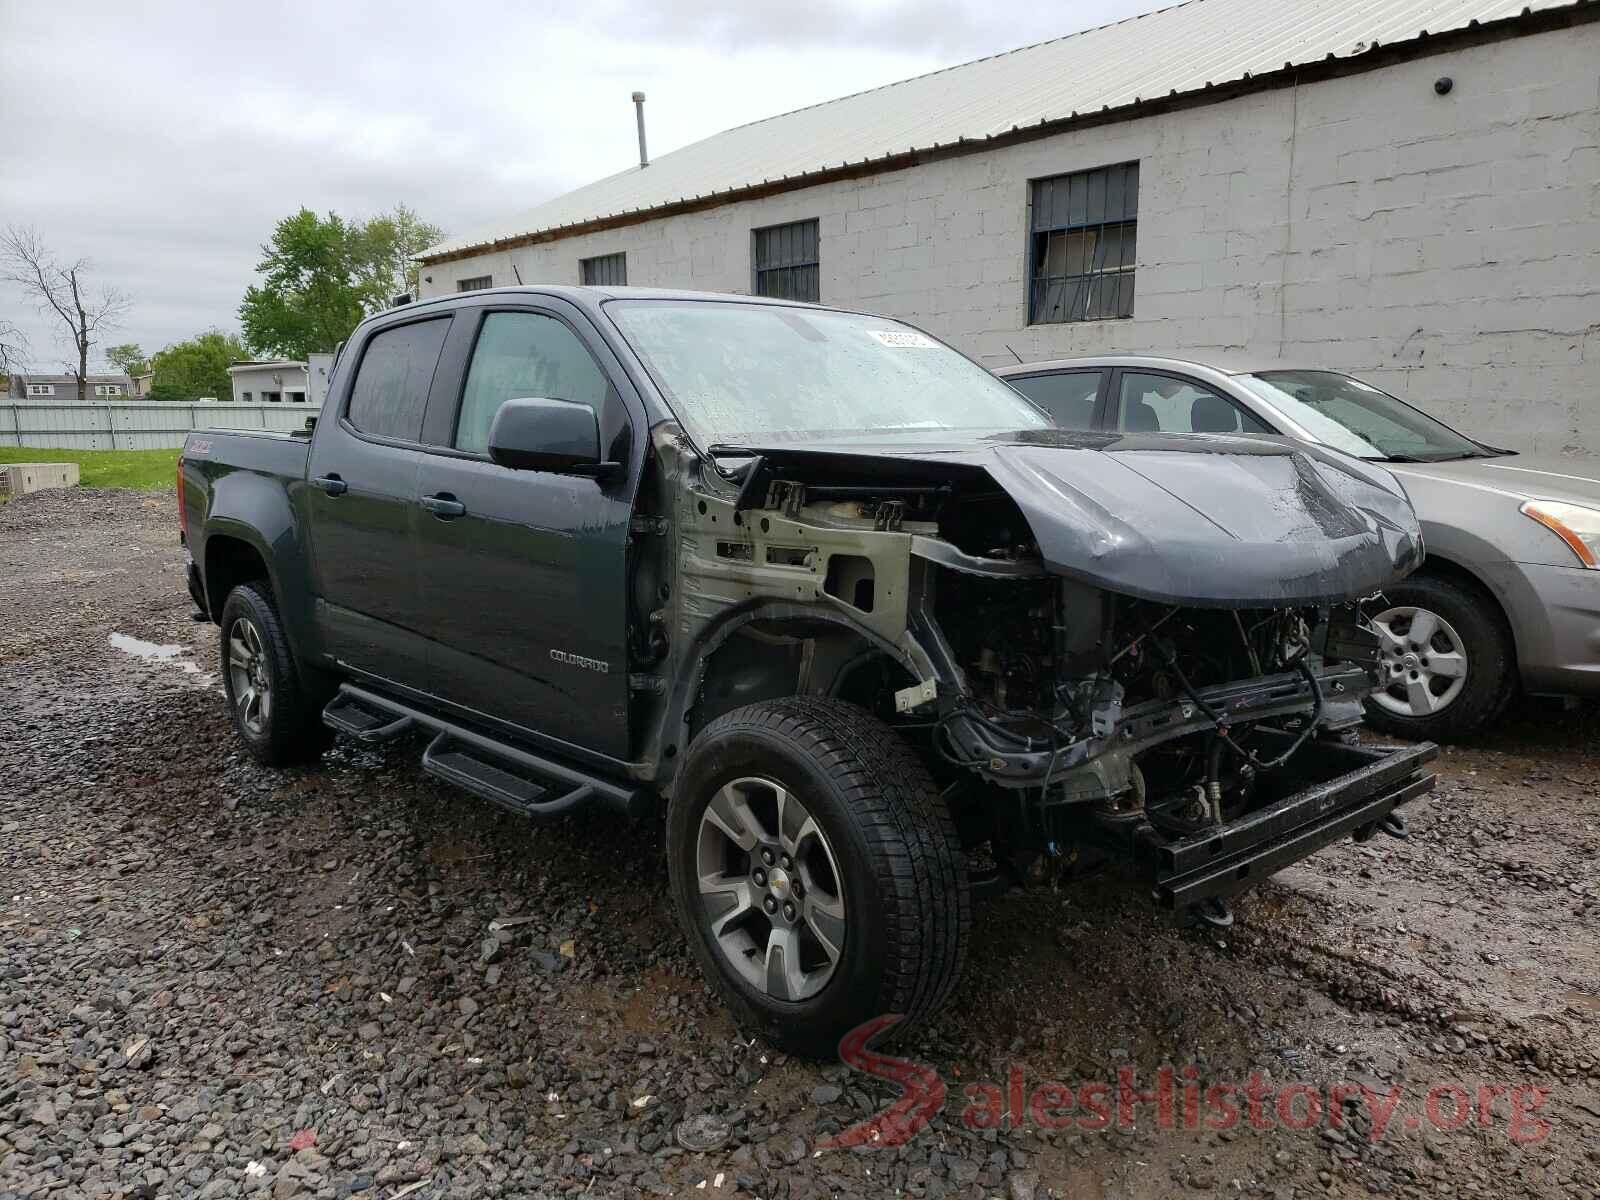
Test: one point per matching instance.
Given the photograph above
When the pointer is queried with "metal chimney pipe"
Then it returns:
(638, 112)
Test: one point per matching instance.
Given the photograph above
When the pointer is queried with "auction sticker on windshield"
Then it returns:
(904, 339)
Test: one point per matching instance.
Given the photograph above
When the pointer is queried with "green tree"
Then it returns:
(197, 367)
(384, 250)
(322, 275)
(127, 358)
(308, 300)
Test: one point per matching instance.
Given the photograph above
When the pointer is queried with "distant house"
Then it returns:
(44, 388)
(281, 380)
(143, 383)
(269, 381)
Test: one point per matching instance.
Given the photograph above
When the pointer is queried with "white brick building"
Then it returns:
(1308, 187)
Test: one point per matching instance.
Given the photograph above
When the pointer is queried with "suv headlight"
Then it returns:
(1577, 526)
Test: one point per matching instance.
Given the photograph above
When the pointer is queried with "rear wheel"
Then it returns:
(1446, 660)
(276, 711)
(817, 874)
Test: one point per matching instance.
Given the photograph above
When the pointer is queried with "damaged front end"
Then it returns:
(1148, 648)
(1207, 746)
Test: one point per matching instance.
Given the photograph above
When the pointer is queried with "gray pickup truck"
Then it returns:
(844, 611)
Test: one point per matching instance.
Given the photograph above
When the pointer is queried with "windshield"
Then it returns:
(1357, 418)
(744, 373)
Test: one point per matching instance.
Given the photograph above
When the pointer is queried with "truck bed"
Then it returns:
(264, 451)
(237, 482)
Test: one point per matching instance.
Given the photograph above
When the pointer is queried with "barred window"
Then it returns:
(1082, 245)
(475, 284)
(786, 262)
(607, 270)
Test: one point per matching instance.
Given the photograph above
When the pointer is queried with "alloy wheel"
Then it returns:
(769, 889)
(249, 675)
(1422, 662)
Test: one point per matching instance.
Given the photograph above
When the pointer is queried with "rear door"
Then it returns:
(524, 588)
(1070, 397)
(361, 508)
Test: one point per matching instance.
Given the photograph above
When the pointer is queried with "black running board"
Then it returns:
(348, 715)
(513, 778)
(500, 781)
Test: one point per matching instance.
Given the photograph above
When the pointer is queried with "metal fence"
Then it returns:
(135, 425)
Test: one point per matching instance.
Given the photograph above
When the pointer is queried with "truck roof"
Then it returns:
(592, 297)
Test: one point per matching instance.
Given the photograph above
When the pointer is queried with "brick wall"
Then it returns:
(1446, 248)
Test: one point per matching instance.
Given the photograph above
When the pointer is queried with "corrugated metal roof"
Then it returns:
(1179, 49)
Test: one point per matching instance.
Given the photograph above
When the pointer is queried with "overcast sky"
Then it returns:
(162, 141)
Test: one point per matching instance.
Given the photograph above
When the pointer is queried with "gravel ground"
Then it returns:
(220, 980)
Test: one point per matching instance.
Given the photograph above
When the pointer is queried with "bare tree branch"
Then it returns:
(13, 347)
(61, 291)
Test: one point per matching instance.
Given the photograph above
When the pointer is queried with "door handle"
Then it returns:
(444, 505)
(332, 484)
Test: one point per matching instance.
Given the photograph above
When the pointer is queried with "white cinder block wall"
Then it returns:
(1446, 247)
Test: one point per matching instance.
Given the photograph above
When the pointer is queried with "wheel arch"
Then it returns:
(816, 652)
(232, 557)
(1456, 571)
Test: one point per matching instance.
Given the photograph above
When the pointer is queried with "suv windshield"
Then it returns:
(1359, 419)
(741, 373)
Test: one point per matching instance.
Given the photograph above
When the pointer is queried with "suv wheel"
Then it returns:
(277, 716)
(817, 873)
(1446, 660)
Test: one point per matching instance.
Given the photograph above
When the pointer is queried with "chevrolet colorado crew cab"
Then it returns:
(840, 608)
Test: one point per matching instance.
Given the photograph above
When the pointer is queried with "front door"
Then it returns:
(361, 505)
(523, 573)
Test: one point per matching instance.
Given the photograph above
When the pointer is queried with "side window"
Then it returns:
(1068, 396)
(1167, 404)
(391, 387)
(523, 355)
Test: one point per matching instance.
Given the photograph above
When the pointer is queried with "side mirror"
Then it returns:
(539, 434)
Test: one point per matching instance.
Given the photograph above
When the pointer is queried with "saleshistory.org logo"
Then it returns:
(1178, 1101)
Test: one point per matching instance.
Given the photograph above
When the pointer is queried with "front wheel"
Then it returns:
(1446, 661)
(817, 874)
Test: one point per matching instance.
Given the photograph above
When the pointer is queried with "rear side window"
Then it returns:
(1068, 396)
(391, 388)
(1168, 404)
(522, 355)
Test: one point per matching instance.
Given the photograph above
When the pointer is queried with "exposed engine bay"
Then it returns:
(1180, 714)
(1055, 711)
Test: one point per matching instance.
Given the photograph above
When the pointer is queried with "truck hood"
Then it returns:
(1196, 519)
